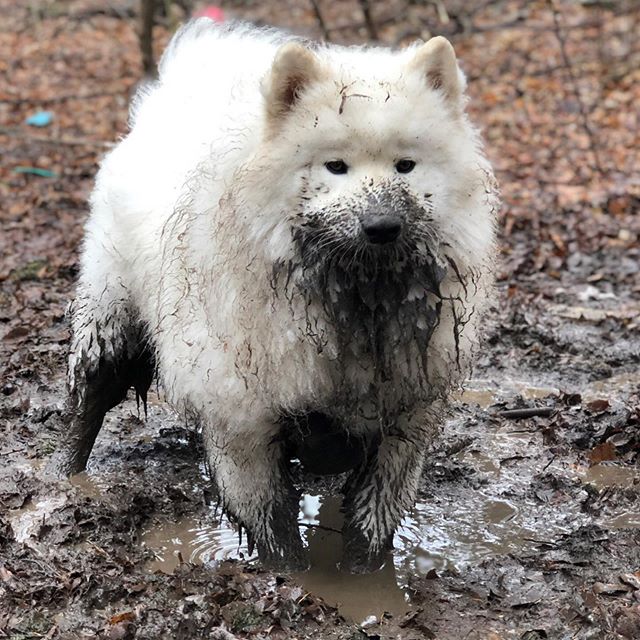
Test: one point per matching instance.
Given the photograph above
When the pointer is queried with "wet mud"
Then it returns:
(527, 524)
(522, 526)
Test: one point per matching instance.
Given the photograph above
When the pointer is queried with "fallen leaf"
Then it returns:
(17, 332)
(601, 452)
(127, 616)
(598, 406)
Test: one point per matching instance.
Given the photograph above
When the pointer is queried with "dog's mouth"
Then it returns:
(385, 269)
(365, 287)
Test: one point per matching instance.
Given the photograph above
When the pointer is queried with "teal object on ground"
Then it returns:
(43, 173)
(40, 119)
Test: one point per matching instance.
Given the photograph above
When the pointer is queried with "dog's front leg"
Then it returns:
(254, 483)
(377, 497)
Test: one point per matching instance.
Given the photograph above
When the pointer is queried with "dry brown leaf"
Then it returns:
(127, 616)
(602, 452)
(599, 405)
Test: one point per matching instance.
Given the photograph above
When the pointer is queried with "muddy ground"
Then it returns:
(526, 527)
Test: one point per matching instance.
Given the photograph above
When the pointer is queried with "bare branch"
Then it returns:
(530, 412)
(321, 23)
(147, 15)
(318, 526)
(584, 114)
(368, 20)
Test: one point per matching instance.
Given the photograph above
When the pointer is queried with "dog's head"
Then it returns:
(369, 200)
(375, 158)
(371, 194)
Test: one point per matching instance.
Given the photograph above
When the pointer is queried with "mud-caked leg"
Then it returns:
(377, 497)
(255, 487)
(109, 354)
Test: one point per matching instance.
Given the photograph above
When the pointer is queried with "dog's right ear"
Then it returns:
(294, 68)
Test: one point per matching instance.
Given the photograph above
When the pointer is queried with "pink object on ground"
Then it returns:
(214, 13)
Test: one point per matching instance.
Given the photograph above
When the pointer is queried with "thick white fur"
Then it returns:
(193, 208)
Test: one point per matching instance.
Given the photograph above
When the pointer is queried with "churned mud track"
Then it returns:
(528, 522)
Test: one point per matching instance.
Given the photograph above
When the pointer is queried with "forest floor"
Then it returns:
(525, 527)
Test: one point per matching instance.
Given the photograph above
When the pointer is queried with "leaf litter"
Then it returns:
(530, 528)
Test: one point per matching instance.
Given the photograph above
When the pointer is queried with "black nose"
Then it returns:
(381, 229)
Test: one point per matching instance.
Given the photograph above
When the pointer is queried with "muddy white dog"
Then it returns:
(297, 239)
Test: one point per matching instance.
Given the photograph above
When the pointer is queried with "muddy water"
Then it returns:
(357, 596)
(438, 535)
(215, 540)
(92, 486)
(484, 393)
(603, 475)
(447, 532)
(613, 386)
(193, 541)
(26, 521)
(450, 530)
(626, 520)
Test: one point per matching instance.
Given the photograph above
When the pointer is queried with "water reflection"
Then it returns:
(357, 596)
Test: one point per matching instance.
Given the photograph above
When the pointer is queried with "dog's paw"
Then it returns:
(289, 561)
(357, 554)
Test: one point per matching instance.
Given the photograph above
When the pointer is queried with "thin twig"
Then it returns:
(443, 15)
(368, 20)
(529, 412)
(584, 114)
(318, 526)
(321, 23)
(51, 632)
(147, 19)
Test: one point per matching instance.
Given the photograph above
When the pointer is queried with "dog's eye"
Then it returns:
(405, 166)
(337, 166)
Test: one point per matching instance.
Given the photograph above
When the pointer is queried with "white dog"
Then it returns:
(297, 238)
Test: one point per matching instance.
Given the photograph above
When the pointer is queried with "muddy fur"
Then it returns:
(221, 243)
(393, 292)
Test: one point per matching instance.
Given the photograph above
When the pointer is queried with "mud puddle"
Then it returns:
(485, 393)
(451, 528)
(482, 512)
(603, 476)
(613, 386)
(26, 521)
(437, 536)
(195, 541)
(213, 539)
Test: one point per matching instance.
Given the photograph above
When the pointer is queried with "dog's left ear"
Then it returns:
(436, 61)
(294, 68)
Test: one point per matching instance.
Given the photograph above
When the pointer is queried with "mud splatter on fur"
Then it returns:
(228, 243)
